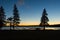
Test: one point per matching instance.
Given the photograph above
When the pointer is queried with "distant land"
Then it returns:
(55, 25)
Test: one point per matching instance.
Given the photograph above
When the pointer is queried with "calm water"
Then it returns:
(30, 28)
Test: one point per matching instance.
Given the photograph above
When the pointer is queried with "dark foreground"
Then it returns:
(13, 34)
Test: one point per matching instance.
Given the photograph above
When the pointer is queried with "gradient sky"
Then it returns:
(31, 10)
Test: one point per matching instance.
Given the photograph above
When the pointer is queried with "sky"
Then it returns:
(30, 11)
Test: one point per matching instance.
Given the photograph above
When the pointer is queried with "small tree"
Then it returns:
(44, 18)
(10, 20)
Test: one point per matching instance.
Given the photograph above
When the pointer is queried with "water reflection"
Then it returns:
(52, 28)
(31, 28)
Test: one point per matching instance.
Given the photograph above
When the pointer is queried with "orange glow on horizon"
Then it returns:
(50, 23)
(29, 23)
(34, 23)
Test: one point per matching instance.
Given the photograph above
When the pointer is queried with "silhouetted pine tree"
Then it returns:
(2, 17)
(16, 16)
(44, 18)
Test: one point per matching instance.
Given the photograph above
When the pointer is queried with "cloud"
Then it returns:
(23, 3)
(20, 2)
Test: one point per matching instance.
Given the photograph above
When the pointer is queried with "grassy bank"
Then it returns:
(26, 34)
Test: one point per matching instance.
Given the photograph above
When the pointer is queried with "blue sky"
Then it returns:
(31, 10)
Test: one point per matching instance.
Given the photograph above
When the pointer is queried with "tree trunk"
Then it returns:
(10, 26)
(44, 28)
(13, 24)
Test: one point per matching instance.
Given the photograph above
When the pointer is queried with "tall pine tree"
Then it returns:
(2, 16)
(16, 16)
(44, 18)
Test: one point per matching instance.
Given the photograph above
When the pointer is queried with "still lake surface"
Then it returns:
(30, 28)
